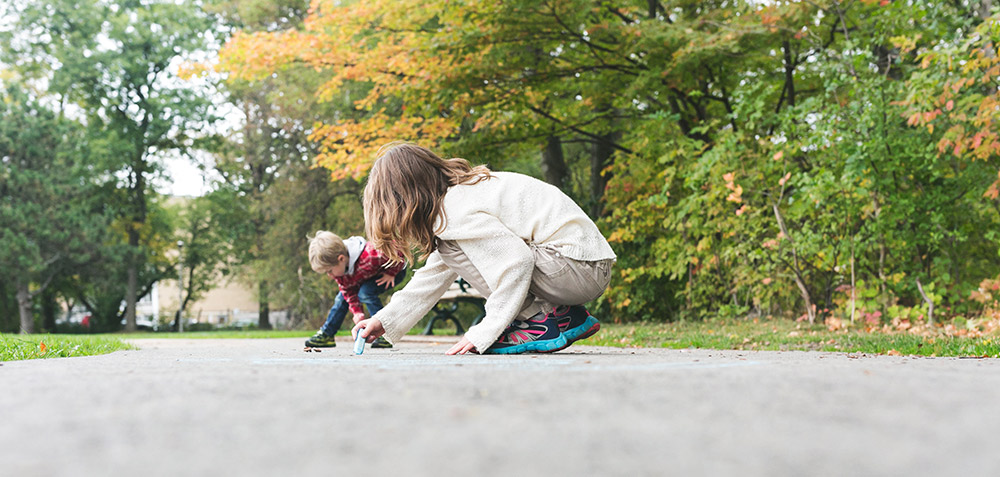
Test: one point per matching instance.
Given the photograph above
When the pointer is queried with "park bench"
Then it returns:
(459, 302)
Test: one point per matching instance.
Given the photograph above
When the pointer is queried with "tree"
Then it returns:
(745, 158)
(470, 80)
(114, 61)
(811, 178)
(208, 242)
(278, 197)
(45, 203)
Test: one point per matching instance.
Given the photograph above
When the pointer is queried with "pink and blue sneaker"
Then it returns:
(575, 322)
(538, 334)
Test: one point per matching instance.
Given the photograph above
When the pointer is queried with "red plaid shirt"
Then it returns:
(371, 263)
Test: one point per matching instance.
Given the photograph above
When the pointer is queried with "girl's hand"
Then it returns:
(372, 329)
(386, 280)
(463, 346)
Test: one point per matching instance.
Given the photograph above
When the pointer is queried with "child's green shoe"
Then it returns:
(380, 342)
(321, 340)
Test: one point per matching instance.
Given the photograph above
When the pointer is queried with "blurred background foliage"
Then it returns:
(819, 160)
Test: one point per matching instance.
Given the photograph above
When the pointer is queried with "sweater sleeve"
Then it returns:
(410, 304)
(509, 280)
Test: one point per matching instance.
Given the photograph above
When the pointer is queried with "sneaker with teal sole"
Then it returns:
(575, 322)
(321, 340)
(538, 334)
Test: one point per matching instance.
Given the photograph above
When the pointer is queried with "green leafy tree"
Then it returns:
(46, 202)
(745, 158)
(207, 239)
(115, 62)
(98, 284)
(812, 178)
(278, 196)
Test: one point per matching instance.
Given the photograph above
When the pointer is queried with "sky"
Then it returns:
(184, 179)
(182, 176)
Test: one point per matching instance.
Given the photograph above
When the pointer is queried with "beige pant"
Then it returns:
(556, 280)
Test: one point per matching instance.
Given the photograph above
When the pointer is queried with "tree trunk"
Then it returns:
(137, 218)
(130, 297)
(799, 279)
(790, 66)
(49, 311)
(132, 283)
(554, 163)
(600, 157)
(853, 285)
(24, 308)
(930, 303)
(264, 314)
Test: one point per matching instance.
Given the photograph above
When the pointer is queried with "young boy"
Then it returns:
(362, 275)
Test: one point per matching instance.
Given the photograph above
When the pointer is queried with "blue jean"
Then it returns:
(368, 295)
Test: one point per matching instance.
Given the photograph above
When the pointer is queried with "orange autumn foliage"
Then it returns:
(950, 97)
(383, 45)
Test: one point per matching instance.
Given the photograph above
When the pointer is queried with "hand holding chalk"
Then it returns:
(359, 343)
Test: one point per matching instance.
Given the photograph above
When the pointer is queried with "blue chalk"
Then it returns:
(359, 343)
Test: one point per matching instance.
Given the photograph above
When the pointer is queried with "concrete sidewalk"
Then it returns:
(265, 407)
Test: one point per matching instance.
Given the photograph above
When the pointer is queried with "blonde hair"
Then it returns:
(325, 249)
(403, 197)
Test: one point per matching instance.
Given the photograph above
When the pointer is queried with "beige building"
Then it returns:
(228, 304)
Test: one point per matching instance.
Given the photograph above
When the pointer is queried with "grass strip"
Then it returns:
(771, 335)
(19, 347)
(785, 335)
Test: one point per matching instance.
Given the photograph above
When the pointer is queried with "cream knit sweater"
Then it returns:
(493, 222)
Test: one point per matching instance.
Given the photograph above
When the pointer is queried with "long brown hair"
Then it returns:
(403, 197)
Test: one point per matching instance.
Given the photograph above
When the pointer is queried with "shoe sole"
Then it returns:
(321, 345)
(541, 346)
(587, 329)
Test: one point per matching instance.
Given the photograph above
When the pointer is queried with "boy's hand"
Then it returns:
(372, 329)
(463, 346)
(386, 280)
(358, 318)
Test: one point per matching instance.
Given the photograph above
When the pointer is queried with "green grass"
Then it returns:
(785, 335)
(18, 347)
(15, 347)
(775, 335)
